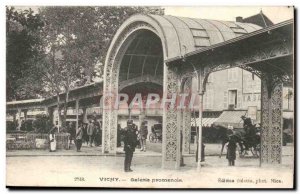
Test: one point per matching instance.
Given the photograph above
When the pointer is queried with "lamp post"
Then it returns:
(200, 94)
(200, 132)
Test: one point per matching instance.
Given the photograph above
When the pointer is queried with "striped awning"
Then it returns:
(206, 122)
(232, 118)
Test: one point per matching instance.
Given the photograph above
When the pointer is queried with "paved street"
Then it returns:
(63, 170)
(63, 166)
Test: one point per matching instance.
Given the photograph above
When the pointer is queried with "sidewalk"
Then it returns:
(85, 151)
(154, 149)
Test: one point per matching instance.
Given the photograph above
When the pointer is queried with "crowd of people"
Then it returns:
(133, 136)
(89, 133)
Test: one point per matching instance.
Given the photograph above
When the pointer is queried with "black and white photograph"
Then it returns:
(144, 97)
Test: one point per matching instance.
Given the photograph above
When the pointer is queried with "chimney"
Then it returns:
(239, 19)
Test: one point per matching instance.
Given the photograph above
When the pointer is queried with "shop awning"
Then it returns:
(288, 115)
(232, 118)
(206, 122)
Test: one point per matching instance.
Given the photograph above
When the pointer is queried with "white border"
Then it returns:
(105, 2)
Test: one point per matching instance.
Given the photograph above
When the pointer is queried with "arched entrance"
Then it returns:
(121, 43)
(134, 58)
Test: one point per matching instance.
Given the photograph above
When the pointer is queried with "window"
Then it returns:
(209, 99)
(232, 98)
(232, 75)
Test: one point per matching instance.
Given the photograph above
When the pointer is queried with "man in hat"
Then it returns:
(78, 137)
(130, 142)
(250, 131)
(231, 150)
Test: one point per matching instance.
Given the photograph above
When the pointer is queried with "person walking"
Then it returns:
(90, 132)
(130, 142)
(71, 129)
(78, 137)
(143, 135)
(231, 151)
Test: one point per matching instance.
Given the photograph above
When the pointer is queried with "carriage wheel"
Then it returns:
(151, 138)
(242, 154)
(257, 151)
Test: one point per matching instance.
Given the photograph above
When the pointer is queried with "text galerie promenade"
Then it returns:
(175, 101)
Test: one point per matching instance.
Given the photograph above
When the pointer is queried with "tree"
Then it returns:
(76, 40)
(22, 45)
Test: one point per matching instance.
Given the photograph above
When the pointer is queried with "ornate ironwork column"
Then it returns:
(106, 122)
(110, 112)
(171, 121)
(186, 131)
(107, 109)
(186, 117)
(271, 121)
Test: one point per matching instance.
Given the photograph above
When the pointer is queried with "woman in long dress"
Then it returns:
(52, 140)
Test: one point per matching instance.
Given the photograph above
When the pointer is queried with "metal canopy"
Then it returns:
(181, 35)
(184, 35)
(279, 32)
(144, 55)
(269, 50)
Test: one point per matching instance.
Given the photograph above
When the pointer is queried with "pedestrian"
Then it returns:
(97, 134)
(231, 151)
(85, 137)
(143, 135)
(72, 131)
(52, 139)
(119, 135)
(130, 142)
(78, 137)
(100, 131)
(90, 132)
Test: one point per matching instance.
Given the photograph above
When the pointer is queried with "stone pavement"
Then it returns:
(64, 171)
(64, 167)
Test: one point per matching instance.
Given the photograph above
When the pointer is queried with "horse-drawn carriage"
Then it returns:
(248, 138)
(156, 133)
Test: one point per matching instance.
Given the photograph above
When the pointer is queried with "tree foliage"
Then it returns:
(68, 46)
(22, 45)
(41, 124)
(87, 31)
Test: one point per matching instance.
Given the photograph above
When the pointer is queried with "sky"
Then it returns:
(229, 13)
(275, 14)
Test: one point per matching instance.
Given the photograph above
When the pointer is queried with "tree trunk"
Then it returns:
(58, 111)
(65, 108)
